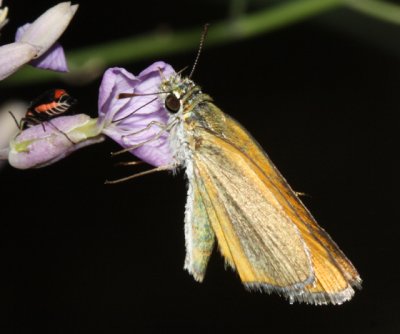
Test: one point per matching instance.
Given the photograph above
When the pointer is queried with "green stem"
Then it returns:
(84, 62)
(379, 9)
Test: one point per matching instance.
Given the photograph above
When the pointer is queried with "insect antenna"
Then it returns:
(202, 39)
(130, 95)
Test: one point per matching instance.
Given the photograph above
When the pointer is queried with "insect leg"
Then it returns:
(154, 170)
(65, 135)
(148, 126)
(156, 136)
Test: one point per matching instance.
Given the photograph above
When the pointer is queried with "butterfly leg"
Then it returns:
(148, 126)
(154, 170)
(164, 128)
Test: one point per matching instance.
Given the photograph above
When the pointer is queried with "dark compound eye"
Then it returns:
(172, 103)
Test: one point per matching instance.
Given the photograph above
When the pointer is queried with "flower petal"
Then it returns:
(20, 31)
(48, 27)
(13, 56)
(53, 59)
(155, 153)
(139, 120)
(159, 67)
(37, 147)
(115, 81)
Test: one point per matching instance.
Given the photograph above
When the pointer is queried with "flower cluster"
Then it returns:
(136, 122)
(35, 43)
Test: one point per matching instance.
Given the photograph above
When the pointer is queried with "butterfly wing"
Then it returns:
(199, 235)
(263, 229)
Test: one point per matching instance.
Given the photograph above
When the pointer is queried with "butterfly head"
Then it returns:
(180, 92)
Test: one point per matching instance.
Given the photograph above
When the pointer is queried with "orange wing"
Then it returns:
(228, 161)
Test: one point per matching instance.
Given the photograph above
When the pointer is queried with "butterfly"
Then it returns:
(238, 199)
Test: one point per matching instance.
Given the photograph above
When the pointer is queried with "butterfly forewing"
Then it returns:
(261, 225)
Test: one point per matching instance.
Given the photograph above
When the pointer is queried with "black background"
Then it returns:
(321, 96)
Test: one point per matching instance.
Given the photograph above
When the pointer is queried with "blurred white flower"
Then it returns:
(3, 15)
(8, 128)
(36, 39)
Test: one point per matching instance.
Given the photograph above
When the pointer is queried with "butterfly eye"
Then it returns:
(172, 103)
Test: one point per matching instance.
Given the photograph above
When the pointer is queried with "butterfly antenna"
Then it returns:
(202, 39)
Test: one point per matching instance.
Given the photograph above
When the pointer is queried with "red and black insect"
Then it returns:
(48, 105)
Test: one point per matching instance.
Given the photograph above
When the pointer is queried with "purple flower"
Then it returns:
(35, 40)
(42, 145)
(139, 120)
(13, 56)
(53, 59)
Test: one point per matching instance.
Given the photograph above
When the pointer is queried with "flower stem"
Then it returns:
(90, 62)
(379, 9)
